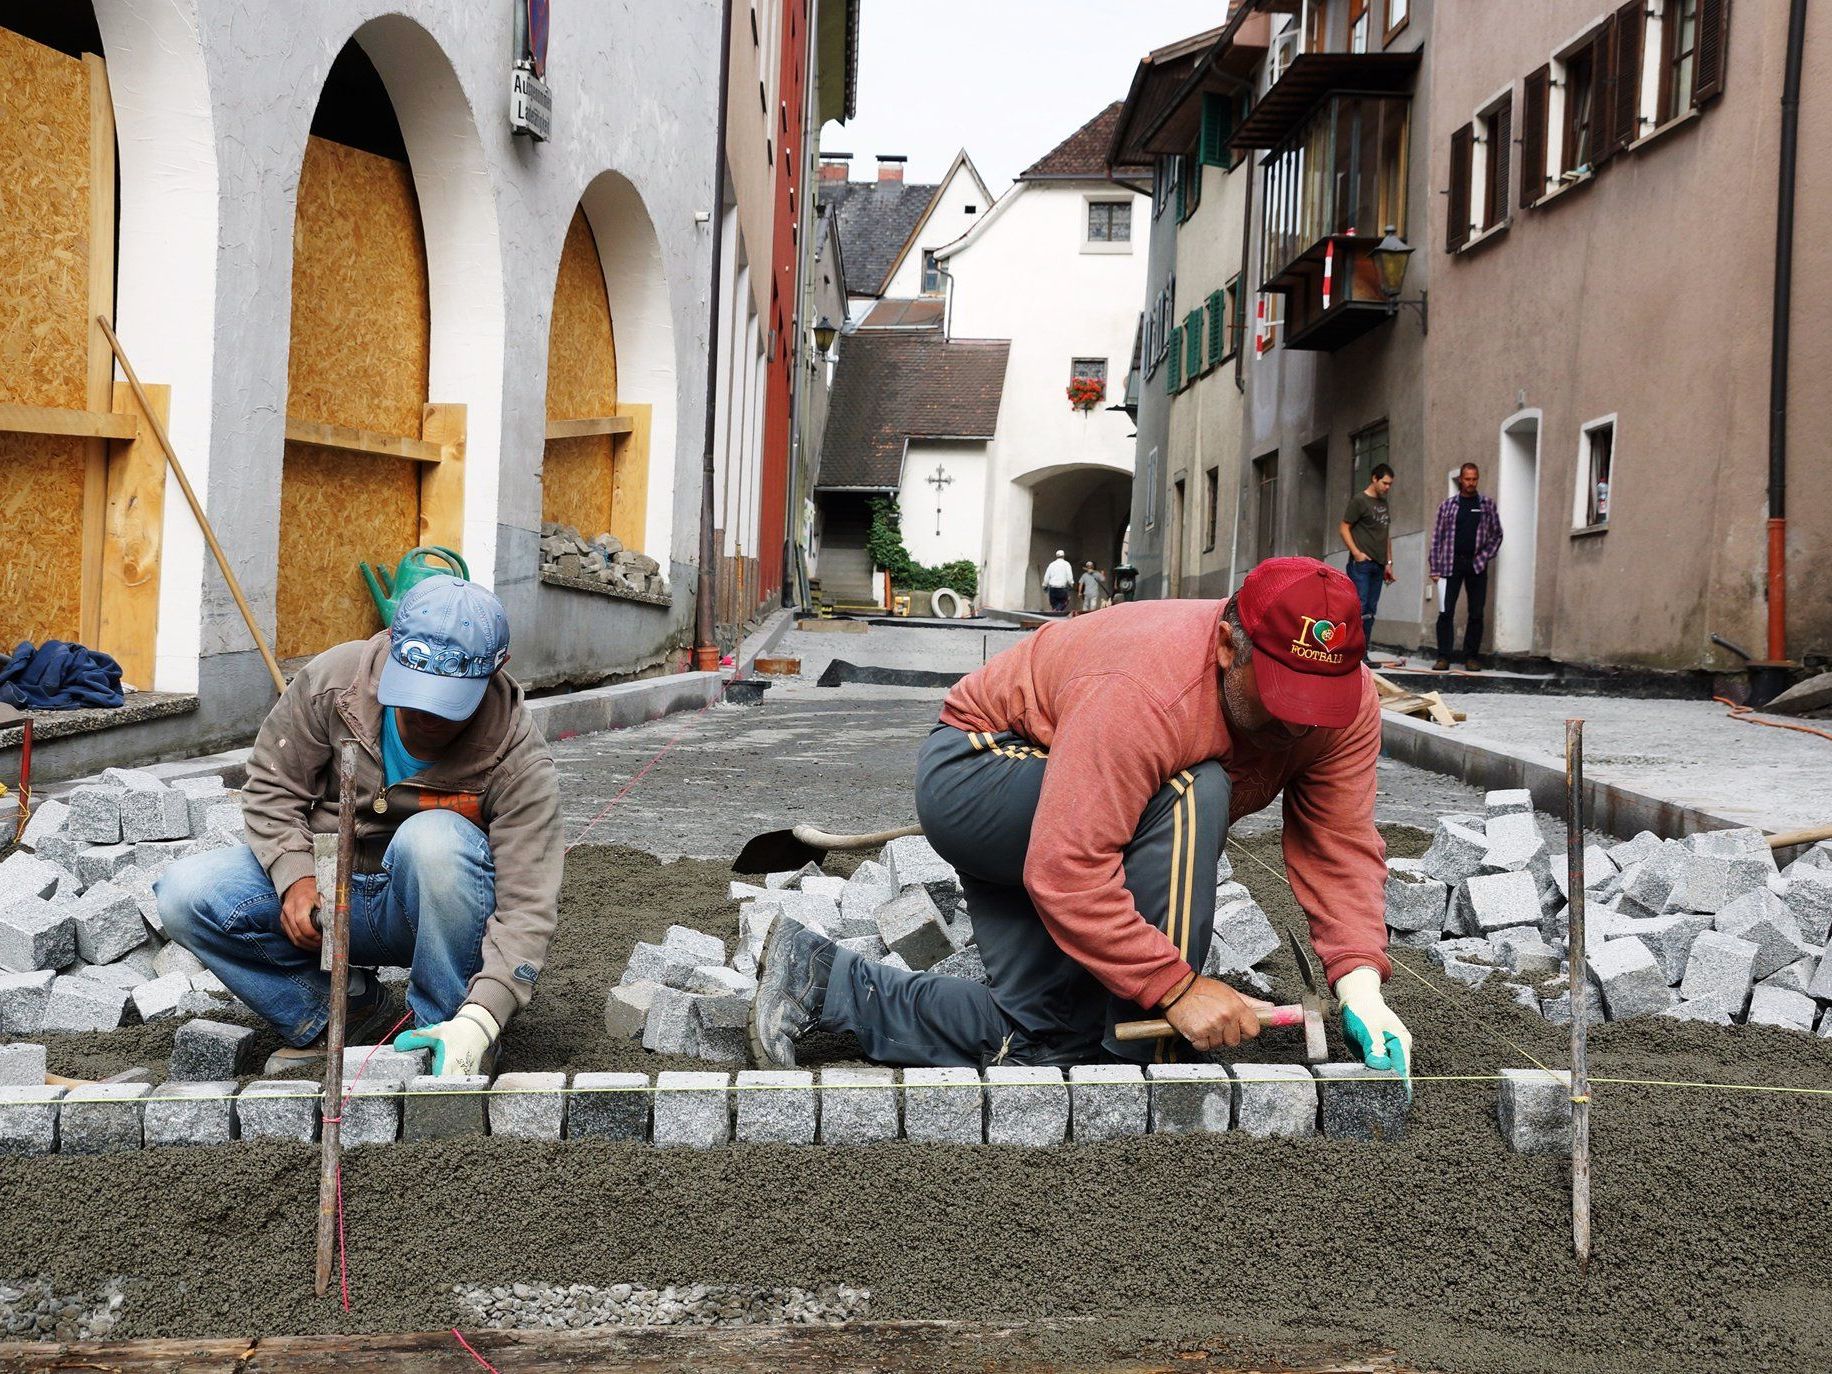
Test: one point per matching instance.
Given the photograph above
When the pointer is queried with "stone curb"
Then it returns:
(1024, 1106)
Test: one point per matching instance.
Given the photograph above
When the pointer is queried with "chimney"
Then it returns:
(890, 166)
(836, 166)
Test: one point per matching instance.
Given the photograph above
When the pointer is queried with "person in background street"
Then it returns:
(1463, 544)
(1364, 534)
(458, 844)
(1058, 578)
(1082, 784)
(1090, 589)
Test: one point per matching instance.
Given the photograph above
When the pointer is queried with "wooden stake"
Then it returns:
(203, 521)
(1580, 1072)
(339, 936)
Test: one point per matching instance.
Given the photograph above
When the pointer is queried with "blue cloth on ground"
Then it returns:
(56, 676)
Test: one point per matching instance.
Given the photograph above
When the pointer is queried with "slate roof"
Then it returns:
(875, 218)
(893, 385)
(1082, 156)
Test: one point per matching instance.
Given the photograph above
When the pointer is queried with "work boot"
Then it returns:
(1473, 666)
(791, 985)
(367, 1019)
(1441, 666)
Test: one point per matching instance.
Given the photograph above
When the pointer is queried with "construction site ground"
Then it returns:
(1441, 1251)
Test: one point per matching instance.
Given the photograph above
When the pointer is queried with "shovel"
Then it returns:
(781, 851)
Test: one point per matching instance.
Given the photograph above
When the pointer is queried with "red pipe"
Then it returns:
(1777, 588)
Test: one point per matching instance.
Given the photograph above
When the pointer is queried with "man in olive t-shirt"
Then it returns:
(1364, 534)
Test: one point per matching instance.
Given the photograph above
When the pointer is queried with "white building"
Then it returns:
(1053, 269)
(383, 319)
(892, 228)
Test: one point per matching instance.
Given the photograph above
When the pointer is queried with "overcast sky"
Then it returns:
(1006, 79)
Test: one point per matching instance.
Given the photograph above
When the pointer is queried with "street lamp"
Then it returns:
(824, 333)
(1391, 256)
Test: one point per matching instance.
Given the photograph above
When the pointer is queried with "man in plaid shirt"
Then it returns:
(1463, 544)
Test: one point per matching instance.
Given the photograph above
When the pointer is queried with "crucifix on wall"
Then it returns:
(938, 481)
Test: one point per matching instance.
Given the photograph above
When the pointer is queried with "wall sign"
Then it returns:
(530, 97)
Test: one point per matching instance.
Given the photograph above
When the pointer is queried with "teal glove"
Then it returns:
(458, 1045)
(1369, 1024)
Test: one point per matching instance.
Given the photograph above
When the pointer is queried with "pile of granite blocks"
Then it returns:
(82, 947)
(394, 1098)
(603, 559)
(689, 995)
(1705, 928)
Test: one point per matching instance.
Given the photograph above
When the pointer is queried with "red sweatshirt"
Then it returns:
(1125, 699)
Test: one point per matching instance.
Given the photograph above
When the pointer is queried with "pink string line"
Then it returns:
(625, 790)
(459, 1337)
(343, 1262)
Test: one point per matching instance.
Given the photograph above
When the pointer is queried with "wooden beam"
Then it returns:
(133, 537)
(442, 484)
(362, 441)
(84, 424)
(630, 480)
(99, 391)
(579, 429)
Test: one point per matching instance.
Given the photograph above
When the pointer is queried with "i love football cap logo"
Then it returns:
(1314, 639)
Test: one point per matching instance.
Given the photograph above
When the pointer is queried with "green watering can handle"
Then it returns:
(450, 557)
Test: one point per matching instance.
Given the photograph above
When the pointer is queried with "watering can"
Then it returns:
(414, 568)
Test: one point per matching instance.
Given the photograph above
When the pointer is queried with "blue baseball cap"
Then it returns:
(448, 637)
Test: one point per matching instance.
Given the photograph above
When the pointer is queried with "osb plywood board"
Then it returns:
(360, 314)
(44, 228)
(577, 474)
(337, 508)
(359, 357)
(42, 480)
(630, 488)
(132, 537)
(581, 355)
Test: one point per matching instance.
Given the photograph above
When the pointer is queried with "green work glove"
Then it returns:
(1369, 1024)
(458, 1045)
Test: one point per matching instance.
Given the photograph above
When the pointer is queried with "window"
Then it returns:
(931, 274)
(1266, 506)
(1580, 87)
(1109, 221)
(1189, 185)
(1165, 178)
(1211, 507)
(1595, 458)
(1151, 488)
(1316, 26)
(1237, 315)
(1479, 166)
(1090, 370)
(1284, 49)
(1398, 12)
(1368, 448)
(970, 209)
(1271, 320)
(1678, 57)
(1359, 23)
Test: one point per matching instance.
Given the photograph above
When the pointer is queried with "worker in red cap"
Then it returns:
(1082, 784)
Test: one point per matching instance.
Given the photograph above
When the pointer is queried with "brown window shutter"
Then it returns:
(1504, 139)
(1533, 136)
(1631, 34)
(1603, 103)
(1713, 41)
(1457, 230)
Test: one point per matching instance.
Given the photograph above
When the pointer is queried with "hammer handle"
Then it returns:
(1159, 1029)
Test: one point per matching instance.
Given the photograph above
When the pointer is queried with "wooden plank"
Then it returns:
(352, 440)
(133, 538)
(442, 485)
(580, 429)
(854, 1348)
(100, 380)
(84, 424)
(630, 480)
(1438, 711)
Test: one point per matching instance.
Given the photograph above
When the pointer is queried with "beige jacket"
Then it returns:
(498, 774)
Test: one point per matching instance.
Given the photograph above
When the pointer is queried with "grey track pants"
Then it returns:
(976, 795)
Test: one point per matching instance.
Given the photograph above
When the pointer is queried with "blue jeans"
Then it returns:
(1369, 577)
(426, 911)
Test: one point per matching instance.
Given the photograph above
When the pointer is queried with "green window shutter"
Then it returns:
(1173, 363)
(1192, 344)
(1239, 313)
(1218, 345)
(1217, 127)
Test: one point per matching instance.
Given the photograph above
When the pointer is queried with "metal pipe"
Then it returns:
(805, 246)
(705, 632)
(339, 935)
(1574, 937)
(1782, 325)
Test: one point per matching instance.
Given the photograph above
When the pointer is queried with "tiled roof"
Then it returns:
(876, 218)
(1082, 156)
(891, 385)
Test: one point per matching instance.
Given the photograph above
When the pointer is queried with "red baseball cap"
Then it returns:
(1304, 619)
